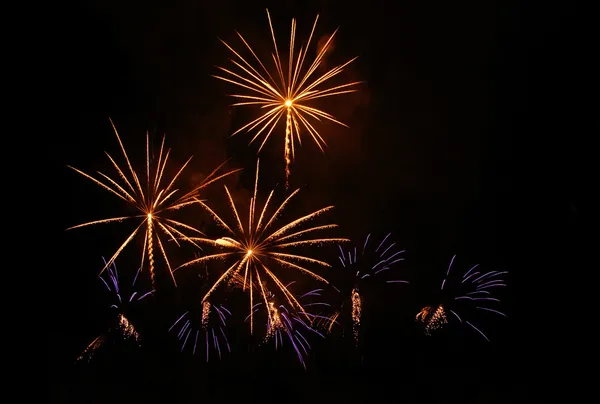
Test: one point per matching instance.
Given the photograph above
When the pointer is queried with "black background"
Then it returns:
(464, 140)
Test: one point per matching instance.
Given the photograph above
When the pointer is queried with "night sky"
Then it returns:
(462, 140)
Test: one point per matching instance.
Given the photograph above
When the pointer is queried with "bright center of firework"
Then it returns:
(288, 103)
(249, 253)
(150, 216)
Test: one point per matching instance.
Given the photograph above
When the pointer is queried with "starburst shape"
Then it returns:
(290, 95)
(256, 249)
(153, 199)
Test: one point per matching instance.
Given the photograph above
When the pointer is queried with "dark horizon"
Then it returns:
(450, 147)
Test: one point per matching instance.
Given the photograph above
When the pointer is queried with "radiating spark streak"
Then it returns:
(177, 321)
(145, 294)
(450, 266)
(473, 274)
(456, 315)
(92, 347)
(312, 229)
(312, 293)
(469, 271)
(489, 283)
(492, 310)
(311, 242)
(486, 275)
(478, 330)
(255, 247)
(102, 221)
(493, 299)
(153, 202)
(289, 94)
(492, 286)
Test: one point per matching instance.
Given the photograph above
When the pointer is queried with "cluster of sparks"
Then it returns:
(467, 295)
(91, 349)
(127, 329)
(257, 248)
(433, 319)
(366, 264)
(124, 327)
(286, 322)
(211, 329)
(290, 95)
(356, 312)
(154, 198)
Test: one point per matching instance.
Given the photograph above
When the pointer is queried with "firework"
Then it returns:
(462, 298)
(365, 265)
(256, 248)
(124, 328)
(290, 95)
(154, 199)
(284, 321)
(209, 327)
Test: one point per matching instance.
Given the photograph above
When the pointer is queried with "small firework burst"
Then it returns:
(463, 298)
(365, 265)
(123, 329)
(433, 319)
(285, 322)
(206, 327)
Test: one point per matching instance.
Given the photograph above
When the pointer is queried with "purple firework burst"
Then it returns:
(286, 323)
(464, 298)
(124, 328)
(207, 328)
(365, 265)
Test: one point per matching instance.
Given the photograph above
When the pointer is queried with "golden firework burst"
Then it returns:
(154, 199)
(255, 248)
(290, 95)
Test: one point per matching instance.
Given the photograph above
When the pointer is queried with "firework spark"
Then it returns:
(124, 328)
(365, 264)
(256, 247)
(290, 95)
(153, 198)
(285, 321)
(434, 319)
(463, 297)
(210, 328)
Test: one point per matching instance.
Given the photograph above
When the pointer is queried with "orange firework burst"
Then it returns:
(256, 248)
(153, 199)
(290, 95)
